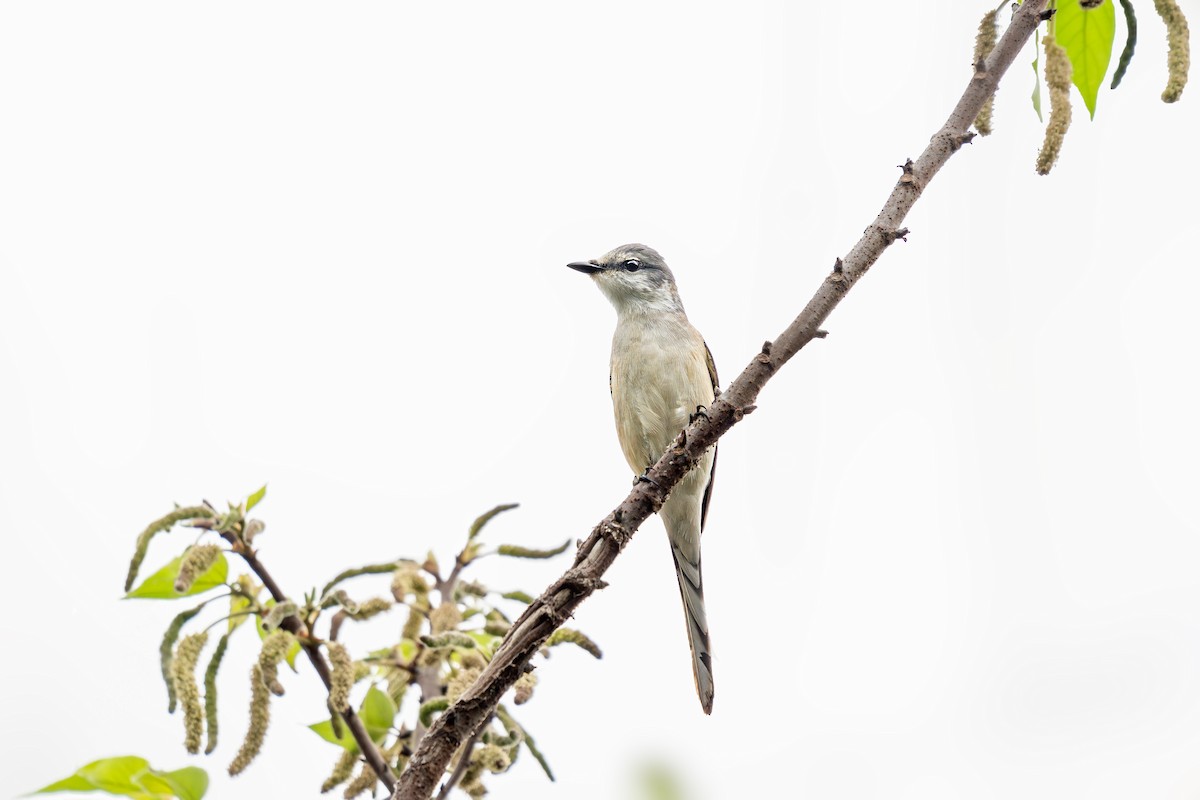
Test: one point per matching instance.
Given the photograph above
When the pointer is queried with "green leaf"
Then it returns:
(324, 729)
(115, 775)
(408, 649)
(1037, 84)
(189, 783)
(131, 776)
(161, 585)
(1087, 36)
(75, 783)
(239, 604)
(378, 712)
(254, 499)
(486, 517)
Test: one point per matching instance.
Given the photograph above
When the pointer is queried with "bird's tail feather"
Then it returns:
(691, 587)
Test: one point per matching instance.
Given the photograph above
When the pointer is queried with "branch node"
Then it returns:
(820, 334)
(966, 138)
(616, 532)
(899, 233)
(907, 176)
(980, 69)
(838, 267)
(747, 410)
(586, 583)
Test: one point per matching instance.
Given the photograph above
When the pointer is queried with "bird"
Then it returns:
(660, 374)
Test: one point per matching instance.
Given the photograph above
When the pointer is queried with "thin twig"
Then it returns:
(294, 626)
(542, 617)
(463, 762)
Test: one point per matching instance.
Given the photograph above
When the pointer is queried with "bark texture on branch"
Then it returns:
(460, 722)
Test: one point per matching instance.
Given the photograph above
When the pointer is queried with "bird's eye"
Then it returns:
(632, 265)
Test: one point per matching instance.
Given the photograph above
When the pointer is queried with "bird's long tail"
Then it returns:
(691, 587)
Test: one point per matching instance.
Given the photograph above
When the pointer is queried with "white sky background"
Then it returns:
(954, 554)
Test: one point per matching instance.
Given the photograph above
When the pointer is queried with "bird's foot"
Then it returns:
(645, 478)
(701, 411)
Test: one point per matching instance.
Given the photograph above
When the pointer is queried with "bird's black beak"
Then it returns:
(587, 267)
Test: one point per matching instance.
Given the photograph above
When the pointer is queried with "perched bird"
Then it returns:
(660, 374)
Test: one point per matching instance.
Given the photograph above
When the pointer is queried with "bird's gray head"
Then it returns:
(635, 278)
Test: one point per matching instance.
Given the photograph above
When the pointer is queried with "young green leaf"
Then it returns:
(254, 499)
(115, 775)
(378, 712)
(408, 649)
(112, 775)
(132, 776)
(324, 729)
(1087, 35)
(486, 517)
(240, 603)
(161, 585)
(189, 783)
(1036, 97)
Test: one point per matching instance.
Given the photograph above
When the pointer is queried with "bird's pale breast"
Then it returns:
(659, 376)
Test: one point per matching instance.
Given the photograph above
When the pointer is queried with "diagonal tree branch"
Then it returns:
(461, 721)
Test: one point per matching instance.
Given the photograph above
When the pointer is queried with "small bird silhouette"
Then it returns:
(660, 374)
